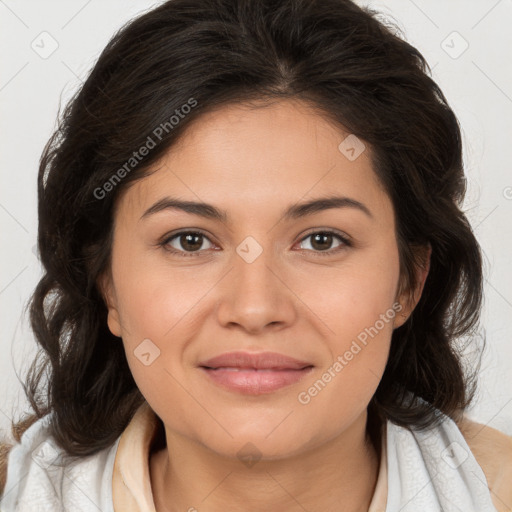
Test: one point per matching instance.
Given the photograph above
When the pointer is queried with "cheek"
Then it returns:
(349, 298)
(161, 310)
(358, 353)
(153, 298)
(357, 307)
(156, 314)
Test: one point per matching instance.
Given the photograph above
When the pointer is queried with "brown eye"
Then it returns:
(185, 241)
(322, 241)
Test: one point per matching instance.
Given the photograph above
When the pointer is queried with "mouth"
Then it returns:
(255, 374)
(252, 381)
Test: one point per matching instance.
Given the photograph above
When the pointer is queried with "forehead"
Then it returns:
(275, 154)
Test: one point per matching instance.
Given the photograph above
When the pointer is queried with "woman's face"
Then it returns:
(257, 280)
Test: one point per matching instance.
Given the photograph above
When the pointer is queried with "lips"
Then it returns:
(256, 361)
(255, 374)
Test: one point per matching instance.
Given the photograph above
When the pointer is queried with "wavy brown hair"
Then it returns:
(355, 70)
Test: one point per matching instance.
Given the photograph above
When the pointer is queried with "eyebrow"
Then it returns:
(293, 212)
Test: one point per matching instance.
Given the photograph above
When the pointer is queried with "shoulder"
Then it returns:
(493, 451)
(4, 455)
(52, 477)
(21, 458)
(17, 431)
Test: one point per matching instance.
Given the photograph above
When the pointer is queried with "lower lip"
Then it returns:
(255, 382)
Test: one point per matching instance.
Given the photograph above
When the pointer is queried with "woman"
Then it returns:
(256, 272)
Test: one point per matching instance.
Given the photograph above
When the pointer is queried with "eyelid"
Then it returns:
(345, 239)
(166, 239)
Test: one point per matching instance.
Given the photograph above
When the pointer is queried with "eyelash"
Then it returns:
(345, 243)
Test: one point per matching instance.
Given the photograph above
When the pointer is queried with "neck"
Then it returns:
(341, 474)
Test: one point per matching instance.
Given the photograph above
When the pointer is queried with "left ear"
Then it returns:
(410, 298)
(106, 288)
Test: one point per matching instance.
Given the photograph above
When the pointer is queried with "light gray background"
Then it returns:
(477, 81)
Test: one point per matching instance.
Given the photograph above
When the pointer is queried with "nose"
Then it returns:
(255, 296)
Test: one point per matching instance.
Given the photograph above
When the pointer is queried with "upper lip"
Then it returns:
(256, 360)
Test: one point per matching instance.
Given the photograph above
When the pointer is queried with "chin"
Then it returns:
(255, 446)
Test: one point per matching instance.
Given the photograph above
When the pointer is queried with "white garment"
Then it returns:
(433, 471)
(42, 478)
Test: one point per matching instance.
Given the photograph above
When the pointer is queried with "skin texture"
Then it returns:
(293, 299)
